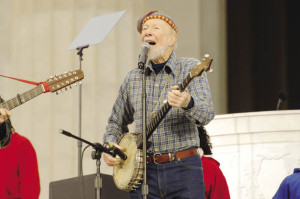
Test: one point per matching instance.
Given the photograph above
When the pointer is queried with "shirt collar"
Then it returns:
(171, 64)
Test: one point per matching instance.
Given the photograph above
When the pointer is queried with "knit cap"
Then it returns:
(155, 15)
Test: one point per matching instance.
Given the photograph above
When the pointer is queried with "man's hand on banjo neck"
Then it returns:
(110, 160)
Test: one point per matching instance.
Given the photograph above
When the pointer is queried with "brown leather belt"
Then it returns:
(168, 157)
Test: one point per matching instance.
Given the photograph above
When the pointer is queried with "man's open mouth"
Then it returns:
(152, 43)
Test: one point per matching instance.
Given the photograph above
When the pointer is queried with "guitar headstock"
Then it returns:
(203, 66)
(59, 82)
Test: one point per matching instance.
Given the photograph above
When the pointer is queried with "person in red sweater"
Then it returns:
(215, 183)
(19, 176)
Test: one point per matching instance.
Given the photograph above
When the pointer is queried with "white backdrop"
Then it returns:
(34, 36)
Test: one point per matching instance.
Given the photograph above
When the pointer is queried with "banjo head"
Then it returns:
(128, 174)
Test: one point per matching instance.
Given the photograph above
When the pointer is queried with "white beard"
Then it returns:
(157, 52)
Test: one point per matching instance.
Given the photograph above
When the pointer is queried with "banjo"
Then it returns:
(128, 174)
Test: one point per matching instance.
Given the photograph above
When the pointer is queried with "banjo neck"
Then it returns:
(196, 71)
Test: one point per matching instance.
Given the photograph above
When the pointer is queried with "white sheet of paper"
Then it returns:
(96, 30)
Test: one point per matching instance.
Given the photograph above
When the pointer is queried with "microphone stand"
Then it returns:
(144, 96)
(278, 104)
(96, 155)
(281, 99)
(79, 144)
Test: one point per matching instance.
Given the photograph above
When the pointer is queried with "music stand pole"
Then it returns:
(79, 143)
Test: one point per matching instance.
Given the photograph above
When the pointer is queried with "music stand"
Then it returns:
(94, 32)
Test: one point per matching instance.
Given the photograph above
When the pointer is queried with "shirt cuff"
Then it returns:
(190, 105)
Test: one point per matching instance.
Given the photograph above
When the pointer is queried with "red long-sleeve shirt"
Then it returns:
(19, 177)
(215, 183)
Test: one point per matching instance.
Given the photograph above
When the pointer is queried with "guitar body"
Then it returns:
(128, 174)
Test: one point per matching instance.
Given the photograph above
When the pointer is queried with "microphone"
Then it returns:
(117, 151)
(96, 146)
(144, 55)
(65, 132)
(281, 99)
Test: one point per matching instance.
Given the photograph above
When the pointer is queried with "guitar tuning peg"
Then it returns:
(206, 55)
(61, 90)
(70, 86)
(66, 89)
(75, 84)
(80, 82)
(57, 92)
(210, 70)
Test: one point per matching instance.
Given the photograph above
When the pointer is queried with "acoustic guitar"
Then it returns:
(53, 84)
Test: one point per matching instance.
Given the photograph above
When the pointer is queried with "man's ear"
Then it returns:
(172, 40)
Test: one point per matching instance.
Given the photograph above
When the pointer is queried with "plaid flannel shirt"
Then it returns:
(178, 130)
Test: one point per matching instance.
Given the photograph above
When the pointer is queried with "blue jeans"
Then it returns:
(180, 179)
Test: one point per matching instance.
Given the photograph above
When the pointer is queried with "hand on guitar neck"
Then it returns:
(110, 160)
(4, 115)
(178, 99)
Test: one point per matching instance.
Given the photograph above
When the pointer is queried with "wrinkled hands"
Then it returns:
(4, 115)
(178, 99)
(110, 160)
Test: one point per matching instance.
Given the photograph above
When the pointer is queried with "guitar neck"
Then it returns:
(22, 98)
(159, 116)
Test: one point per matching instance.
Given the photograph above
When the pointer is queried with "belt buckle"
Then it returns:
(154, 157)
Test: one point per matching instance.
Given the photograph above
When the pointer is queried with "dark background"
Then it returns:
(263, 51)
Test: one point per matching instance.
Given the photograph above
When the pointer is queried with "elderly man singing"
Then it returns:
(174, 168)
